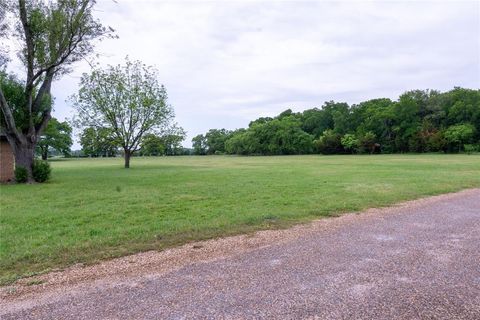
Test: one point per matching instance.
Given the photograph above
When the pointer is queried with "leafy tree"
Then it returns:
(242, 142)
(88, 141)
(52, 36)
(168, 142)
(284, 114)
(260, 121)
(58, 136)
(367, 143)
(316, 121)
(458, 135)
(282, 135)
(340, 113)
(329, 143)
(427, 139)
(377, 116)
(172, 140)
(419, 121)
(287, 137)
(199, 143)
(152, 145)
(215, 140)
(125, 99)
(407, 120)
(470, 148)
(412, 109)
(349, 142)
(99, 142)
(461, 106)
(173, 144)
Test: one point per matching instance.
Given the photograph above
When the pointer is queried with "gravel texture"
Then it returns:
(416, 260)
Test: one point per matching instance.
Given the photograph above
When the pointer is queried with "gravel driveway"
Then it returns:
(419, 260)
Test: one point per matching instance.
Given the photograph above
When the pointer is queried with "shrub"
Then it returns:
(470, 148)
(458, 135)
(367, 142)
(41, 170)
(329, 143)
(349, 142)
(21, 174)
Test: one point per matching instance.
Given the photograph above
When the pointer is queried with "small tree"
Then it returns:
(349, 142)
(199, 143)
(99, 142)
(172, 138)
(126, 99)
(215, 140)
(329, 143)
(152, 145)
(57, 136)
(367, 142)
(458, 135)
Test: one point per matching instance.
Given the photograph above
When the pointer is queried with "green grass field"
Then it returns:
(94, 209)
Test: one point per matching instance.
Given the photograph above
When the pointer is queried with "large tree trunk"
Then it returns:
(24, 156)
(127, 158)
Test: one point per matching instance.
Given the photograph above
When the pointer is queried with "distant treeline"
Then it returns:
(102, 142)
(419, 121)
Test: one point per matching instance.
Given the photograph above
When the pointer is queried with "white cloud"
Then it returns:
(226, 63)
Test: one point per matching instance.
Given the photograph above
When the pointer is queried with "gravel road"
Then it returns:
(418, 260)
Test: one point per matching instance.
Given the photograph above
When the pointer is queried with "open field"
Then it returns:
(93, 209)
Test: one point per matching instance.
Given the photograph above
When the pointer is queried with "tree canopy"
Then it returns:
(419, 121)
(167, 143)
(127, 99)
(57, 136)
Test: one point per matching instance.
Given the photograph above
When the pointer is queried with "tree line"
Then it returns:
(418, 121)
(102, 142)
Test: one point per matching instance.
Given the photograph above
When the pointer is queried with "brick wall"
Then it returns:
(6, 161)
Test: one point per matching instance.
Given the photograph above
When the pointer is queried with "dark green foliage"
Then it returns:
(99, 142)
(199, 144)
(168, 144)
(215, 140)
(21, 174)
(375, 116)
(41, 171)
(332, 115)
(242, 142)
(329, 143)
(419, 121)
(470, 148)
(367, 143)
(282, 135)
(152, 145)
(458, 135)
(173, 144)
(260, 121)
(56, 137)
(13, 89)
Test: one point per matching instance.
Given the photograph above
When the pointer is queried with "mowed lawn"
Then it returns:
(94, 209)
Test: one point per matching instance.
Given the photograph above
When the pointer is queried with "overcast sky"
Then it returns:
(227, 63)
